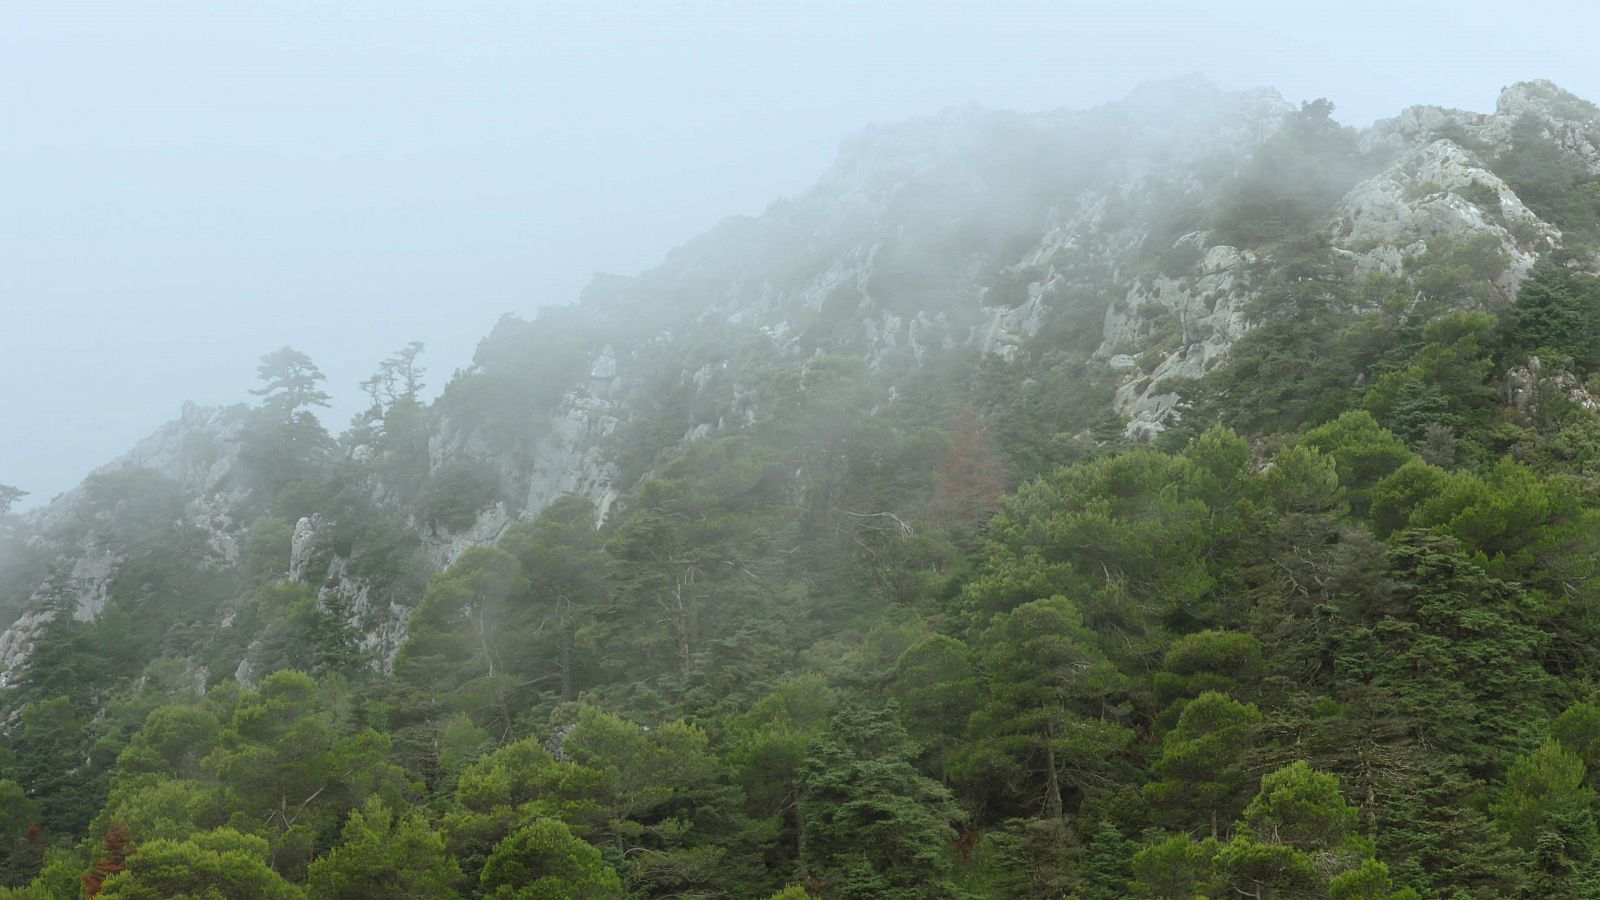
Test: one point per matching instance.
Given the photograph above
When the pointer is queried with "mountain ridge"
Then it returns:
(1057, 489)
(1378, 224)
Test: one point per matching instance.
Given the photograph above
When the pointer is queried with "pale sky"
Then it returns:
(187, 184)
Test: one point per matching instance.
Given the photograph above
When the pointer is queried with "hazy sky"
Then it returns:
(187, 184)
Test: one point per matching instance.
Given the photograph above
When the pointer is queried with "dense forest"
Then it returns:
(854, 624)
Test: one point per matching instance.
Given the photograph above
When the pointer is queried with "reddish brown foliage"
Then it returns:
(117, 844)
(968, 841)
(970, 485)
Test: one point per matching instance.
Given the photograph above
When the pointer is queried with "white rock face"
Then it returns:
(1435, 188)
(1392, 216)
(381, 624)
(209, 512)
(301, 545)
(444, 548)
(1010, 328)
(1518, 390)
(605, 366)
(1207, 306)
(1573, 123)
(17, 642)
(569, 459)
(90, 583)
(198, 450)
(849, 274)
(1523, 385)
(244, 672)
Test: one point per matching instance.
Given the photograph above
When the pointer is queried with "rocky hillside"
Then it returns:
(775, 457)
(1131, 239)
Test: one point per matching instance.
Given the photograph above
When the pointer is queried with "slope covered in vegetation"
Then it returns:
(1192, 497)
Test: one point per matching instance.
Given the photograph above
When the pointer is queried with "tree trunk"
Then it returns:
(1052, 787)
(564, 607)
(566, 666)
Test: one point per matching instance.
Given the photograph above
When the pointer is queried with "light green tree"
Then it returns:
(1047, 728)
(545, 861)
(1201, 770)
(208, 866)
(382, 856)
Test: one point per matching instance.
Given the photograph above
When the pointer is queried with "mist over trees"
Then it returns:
(1038, 517)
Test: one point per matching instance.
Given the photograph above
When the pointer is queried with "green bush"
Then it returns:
(454, 495)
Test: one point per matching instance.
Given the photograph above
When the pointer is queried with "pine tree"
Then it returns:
(873, 826)
(1106, 866)
(381, 854)
(290, 382)
(1547, 808)
(1044, 735)
(544, 861)
(1200, 771)
(8, 497)
(115, 846)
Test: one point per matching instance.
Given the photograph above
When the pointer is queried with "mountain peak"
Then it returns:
(1547, 99)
